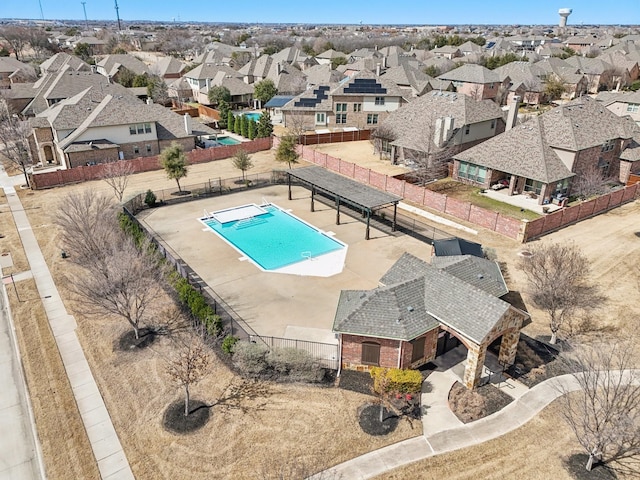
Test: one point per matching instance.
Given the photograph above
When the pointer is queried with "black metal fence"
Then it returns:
(325, 353)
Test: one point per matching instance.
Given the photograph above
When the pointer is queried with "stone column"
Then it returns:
(475, 362)
(509, 347)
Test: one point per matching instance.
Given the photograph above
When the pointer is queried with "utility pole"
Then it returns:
(84, 8)
(41, 12)
(118, 15)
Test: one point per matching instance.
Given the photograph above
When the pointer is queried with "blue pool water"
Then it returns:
(253, 116)
(275, 239)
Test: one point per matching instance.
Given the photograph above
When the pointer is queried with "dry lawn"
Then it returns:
(257, 426)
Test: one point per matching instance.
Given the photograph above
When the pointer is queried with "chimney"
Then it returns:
(187, 124)
(384, 61)
(447, 128)
(437, 132)
(512, 116)
(279, 68)
(377, 69)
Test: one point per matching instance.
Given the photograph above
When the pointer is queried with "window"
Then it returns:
(633, 107)
(372, 119)
(475, 173)
(357, 107)
(320, 118)
(386, 146)
(561, 187)
(371, 353)
(467, 128)
(533, 186)
(148, 147)
(139, 128)
(418, 349)
(379, 101)
(341, 107)
(341, 118)
(603, 165)
(136, 149)
(608, 145)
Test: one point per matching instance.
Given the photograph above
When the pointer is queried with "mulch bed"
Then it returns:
(360, 382)
(536, 361)
(575, 465)
(176, 421)
(369, 420)
(470, 405)
(128, 341)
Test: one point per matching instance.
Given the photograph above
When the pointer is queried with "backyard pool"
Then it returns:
(269, 236)
(253, 116)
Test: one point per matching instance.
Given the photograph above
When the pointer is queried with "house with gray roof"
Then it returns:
(419, 311)
(111, 65)
(56, 62)
(622, 103)
(575, 83)
(547, 156)
(168, 67)
(92, 127)
(13, 71)
(208, 75)
(600, 74)
(475, 81)
(426, 133)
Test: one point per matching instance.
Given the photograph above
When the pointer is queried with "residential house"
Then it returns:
(92, 127)
(55, 63)
(600, 75)
(575, 83)
(322, 75)
(622, 103)
(581, 44)
(525, 83)
(547, 156)
(470, 48)
(415, 315)
(97, 46)
(414, 81)
(112, 65)
(438, 124)
(447, 51)
(168, 68)
(308, 111)
(476, 81)
(13, 71)
(326, 57)
(208, 75)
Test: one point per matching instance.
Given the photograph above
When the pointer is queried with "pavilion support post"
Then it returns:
(337, 210)
(366, 235)
(313, 191)
(289, 184)
(395, 214)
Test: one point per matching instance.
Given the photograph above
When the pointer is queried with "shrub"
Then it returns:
(392, 380)
(250, 358)
(295, 365)
(228, 344)
(131, 228)
(150, 198)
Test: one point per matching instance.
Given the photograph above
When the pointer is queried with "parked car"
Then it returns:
(500, 184)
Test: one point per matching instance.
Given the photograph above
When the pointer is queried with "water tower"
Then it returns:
(564, 14)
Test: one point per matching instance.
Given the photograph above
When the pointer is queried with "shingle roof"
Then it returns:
(471, 73)
(479, 272)
(415, 305)
(59, 60)
(113, 63)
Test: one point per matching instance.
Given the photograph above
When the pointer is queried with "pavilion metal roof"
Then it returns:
(346, 189)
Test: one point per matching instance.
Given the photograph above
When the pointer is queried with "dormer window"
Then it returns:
(608, 145)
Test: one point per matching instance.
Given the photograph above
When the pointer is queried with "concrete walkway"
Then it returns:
(441, 436)
(106, 446)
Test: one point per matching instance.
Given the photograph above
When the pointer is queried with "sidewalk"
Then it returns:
(442, 438)
(104, 440)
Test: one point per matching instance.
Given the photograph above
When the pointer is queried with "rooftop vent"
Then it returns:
(409, 308)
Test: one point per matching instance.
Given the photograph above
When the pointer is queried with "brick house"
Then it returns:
(547, 156)
(476, 81)
(423, 310)
(88, 129)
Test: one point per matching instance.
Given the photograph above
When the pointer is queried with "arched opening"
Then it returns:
(48, 154)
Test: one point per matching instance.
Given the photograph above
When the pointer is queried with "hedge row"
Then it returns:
(396, 380)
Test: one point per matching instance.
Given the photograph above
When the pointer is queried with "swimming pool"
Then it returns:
(253, 116)
(269, 236)
(228, 141)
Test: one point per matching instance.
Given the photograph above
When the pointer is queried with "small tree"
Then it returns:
(237, 124)
(242, 161)
(230, 121)
(286, 151)
(265, 127)
(83, 51)
(188, 368)
(116, 175)
(224, 109)
(605, 414)
(554, 87)
(14, 138)
(218, 94)
(593, 182)
(337, 61)
(174, 162)
(244, 127)
(251, 130)
(265, 90)
(557, 277)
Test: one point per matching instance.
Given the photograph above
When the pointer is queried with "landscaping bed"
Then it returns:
(470, 405)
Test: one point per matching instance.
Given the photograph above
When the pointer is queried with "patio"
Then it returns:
(521, 200)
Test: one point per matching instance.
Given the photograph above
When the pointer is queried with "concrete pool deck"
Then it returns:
(276, 304)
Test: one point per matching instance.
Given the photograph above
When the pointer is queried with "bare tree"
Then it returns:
(16, 37)
(557, 276)
(116, 175)
(14, 138)
(88, 226)
(475, 91)
(125, 283)
(593, 182)
(189, 367)
(605, 414)
(297, 123)
(380, 137)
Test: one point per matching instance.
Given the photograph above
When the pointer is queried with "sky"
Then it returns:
(421, 12)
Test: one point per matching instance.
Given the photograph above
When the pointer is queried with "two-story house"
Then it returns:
(476, 81)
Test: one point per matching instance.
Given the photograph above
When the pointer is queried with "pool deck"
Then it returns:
(277, 304)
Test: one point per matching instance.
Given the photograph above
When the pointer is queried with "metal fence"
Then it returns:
(325, 353)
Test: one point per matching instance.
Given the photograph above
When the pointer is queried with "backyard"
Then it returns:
(258, 426)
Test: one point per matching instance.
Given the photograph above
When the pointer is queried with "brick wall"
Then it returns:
(352, 352)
